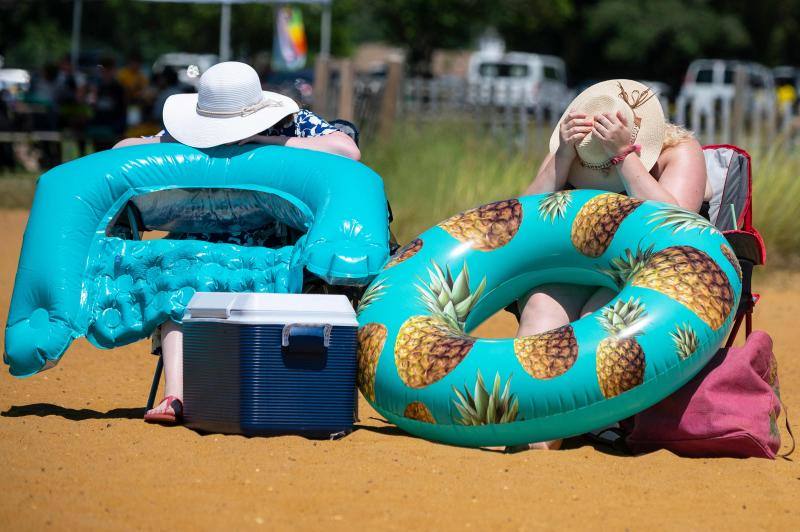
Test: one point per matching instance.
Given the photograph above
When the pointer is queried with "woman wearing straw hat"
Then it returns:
(230, 107)
(613, 137)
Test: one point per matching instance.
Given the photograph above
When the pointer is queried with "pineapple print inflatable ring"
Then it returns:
(678, 287)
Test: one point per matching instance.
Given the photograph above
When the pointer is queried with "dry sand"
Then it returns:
(75, 454)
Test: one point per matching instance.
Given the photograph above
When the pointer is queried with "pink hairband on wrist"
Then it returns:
(618, 158)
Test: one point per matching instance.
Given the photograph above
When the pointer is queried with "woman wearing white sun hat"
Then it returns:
(230, 107)
(613, 137)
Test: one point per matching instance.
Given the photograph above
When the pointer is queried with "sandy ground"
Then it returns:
(75, 454)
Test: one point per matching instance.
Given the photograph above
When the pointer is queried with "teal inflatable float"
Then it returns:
(679, 286)
(84, 272)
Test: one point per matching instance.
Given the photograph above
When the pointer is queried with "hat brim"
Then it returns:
(653, 125)
(183, 123)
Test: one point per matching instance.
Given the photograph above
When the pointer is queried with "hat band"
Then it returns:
(244, 111)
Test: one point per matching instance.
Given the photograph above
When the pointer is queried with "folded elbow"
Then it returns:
(352, 152)
(345, 146)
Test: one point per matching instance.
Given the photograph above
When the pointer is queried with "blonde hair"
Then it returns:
(674, 135)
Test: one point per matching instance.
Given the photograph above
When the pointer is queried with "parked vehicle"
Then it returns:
(180, 61)
(787, 83)
(14, 80)
(715, 79)
(516, 78)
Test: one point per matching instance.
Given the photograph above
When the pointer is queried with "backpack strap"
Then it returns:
(788, 453)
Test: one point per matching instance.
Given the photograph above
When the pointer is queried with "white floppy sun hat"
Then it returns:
(229, 106)
(638, 104)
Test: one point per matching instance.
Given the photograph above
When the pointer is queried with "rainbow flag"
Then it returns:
(289, 47)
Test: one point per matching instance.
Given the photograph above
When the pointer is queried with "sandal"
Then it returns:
(167, 418)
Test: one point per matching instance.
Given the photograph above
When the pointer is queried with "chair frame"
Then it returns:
(748, 245)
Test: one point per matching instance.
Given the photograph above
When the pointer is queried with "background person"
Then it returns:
(230, 107)
(614, 137)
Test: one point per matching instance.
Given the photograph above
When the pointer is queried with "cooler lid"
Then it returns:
(268, 309)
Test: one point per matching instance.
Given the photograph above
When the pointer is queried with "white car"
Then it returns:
(14, 80)
(181, 61)
(516, 78)
(715, 79)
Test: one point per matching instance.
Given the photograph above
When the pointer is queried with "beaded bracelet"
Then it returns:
(617, 159)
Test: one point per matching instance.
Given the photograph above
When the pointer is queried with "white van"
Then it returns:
(516, 78)
(715, 78)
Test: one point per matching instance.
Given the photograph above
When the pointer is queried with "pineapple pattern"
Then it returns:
(692, 278)
(624, 267)
(371, 295)
(405, 253)
(487, 227)
(450, 380)
(731, 256)
(418, 411)
(685, 340)
(548, 354)
(427, 349)
(680, 220)
(483, 407)
(683, 273)
(371, 339)
(620, 359)
(598, 221)
(450, 297)
(554, 205)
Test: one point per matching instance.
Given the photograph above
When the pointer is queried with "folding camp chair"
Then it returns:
(731, 211)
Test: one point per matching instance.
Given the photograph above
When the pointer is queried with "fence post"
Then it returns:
(771, 117)
(346, 88)
(389, 101)
(739, 102)
(786, 123)
(726, 119)
(321, 77)
(680, 110)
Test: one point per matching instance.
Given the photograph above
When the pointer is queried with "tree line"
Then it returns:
(653, 39)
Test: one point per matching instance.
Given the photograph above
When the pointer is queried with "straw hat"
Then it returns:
(638, 105)
(229, 106)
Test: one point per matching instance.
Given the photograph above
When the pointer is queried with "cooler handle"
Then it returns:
(306, 338)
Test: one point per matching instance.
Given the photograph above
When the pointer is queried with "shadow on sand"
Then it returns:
(73, 414)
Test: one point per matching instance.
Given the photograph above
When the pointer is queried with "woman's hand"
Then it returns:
(571, 131)
(612, 131)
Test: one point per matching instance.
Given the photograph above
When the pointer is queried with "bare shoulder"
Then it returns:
(685, 151)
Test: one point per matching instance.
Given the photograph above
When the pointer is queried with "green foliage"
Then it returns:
(633, 34)
(39, 44)
(35, 32)
(598, 38)
(423, 25)
(434, 170)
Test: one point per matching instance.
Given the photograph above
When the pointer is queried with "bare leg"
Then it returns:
(548, 307)
(172, 353)
(599, 299)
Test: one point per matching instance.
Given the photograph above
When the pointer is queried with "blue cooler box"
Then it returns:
(259, 364)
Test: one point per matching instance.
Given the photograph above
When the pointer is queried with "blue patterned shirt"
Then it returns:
(303, 123)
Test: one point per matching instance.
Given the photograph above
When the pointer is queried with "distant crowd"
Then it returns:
(100, 105)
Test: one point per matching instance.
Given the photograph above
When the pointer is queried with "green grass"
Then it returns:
(776, 201)
(16, 190)
(436, 169)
